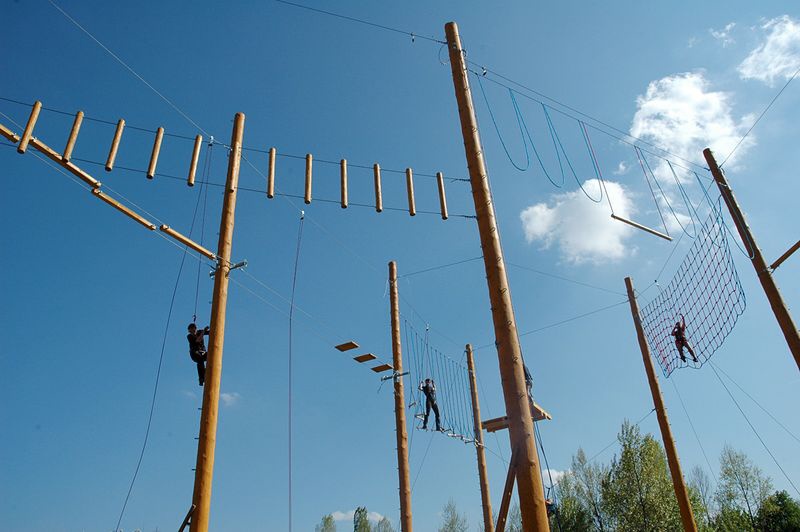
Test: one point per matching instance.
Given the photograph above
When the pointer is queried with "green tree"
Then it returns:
(779, 513)
(326, 525)
(514, 519)
(588, 489)
(452, 521)
(572, 512)
(742, 487)
(700, 483)
(638, 492)
(361, 520)
(384, 525)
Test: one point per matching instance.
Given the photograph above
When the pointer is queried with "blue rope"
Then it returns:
(500, 136)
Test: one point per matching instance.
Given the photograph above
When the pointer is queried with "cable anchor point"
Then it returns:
(393, 376)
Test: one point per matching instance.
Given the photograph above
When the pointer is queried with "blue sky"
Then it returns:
(88, 292)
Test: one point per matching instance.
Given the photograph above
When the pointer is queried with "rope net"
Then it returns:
(451, 379)
(706, 293)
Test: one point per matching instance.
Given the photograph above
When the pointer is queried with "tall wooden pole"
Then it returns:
(486, 500)
(204, 471)
(399, 405)
(681, 493)
(762, 271)
(509, 353)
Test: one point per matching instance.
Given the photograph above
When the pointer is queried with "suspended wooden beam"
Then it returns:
(347, 346)
(381, 368)
(309, 162)
(412, 208)
(56, 157)
(785, 256)
(73, 136)
(112, 152)
(8, 134)
(508, 489)
(198, 142)
(442, 197)
(343, 175)
(376, 170)
(187, 242)
(642, 227)
(151, 169)
(365, 357)
(124, 210)
(271, 174)
(28, 132)
(500, 423)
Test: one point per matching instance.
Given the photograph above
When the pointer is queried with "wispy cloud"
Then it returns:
(230, 398)
(582, 230)
(555, 474)
(189, 394)
(724, 35)
(622, 168)
(778, 56)
(348, 516)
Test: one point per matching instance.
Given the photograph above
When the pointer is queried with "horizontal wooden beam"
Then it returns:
(500, 423)
(8, 134)
(187, 241)
(124, 210)
(642, 227)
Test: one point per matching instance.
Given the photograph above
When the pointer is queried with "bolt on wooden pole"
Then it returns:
(198, 143)
(271, 173)
(204, 471)
(486, 499)
(412, 206)
(25, 138)
(309, 163)
(73, 136)
(112, 152)
(509, 352)
(399, 404)
(678, 484)
(343, 177)
(376, 170)
(151, 168)
(785, 321)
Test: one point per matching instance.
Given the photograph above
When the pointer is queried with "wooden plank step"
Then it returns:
(365, 357)
(382, 368)
(347, 346)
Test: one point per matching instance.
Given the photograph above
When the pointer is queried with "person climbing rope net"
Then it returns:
(428, 387)
(679, 332)
(197, 349)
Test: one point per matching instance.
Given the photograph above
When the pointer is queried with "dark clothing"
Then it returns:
(429, 389)
(528, 380)
(679, 332)
(197, 352)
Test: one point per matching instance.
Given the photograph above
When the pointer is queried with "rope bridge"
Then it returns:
(706, 292)
(451, 380)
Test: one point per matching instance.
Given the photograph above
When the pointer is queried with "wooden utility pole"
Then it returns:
(399, 404)
(762, 271)
(486, 500)
(681, 493)
(204, 471)
(509, 353)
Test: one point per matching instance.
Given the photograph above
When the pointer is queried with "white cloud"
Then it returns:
(622, 168)
(724, 35)
(681, 114)
(230, 398)
(778, 56)
(189, 394)
(583, 230)
(348, 516)
(554, 473)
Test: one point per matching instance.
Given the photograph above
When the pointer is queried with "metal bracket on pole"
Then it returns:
(393, 376)
(237, 266)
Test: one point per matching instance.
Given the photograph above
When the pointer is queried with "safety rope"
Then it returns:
(291, 316)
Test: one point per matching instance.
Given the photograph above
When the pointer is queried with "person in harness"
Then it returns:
(679, 332)
(429, 389)
(197, 350)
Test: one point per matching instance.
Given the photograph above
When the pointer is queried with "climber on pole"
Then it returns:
(429, 389)
(197, 349)
(679, 332)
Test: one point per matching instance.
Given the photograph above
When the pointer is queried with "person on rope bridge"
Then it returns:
(679, 332)
(428, 387)
(197, 349)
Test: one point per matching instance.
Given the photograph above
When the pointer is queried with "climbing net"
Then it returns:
(452, 385)
(706, 292)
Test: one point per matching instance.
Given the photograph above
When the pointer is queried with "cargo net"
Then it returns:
(706, 293)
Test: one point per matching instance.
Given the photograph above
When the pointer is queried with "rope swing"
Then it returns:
(690, 319)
